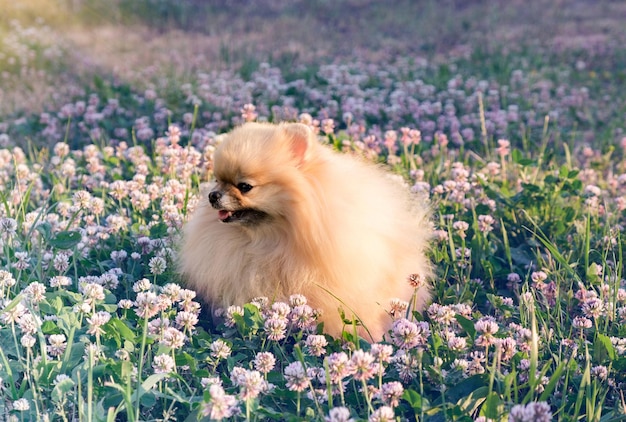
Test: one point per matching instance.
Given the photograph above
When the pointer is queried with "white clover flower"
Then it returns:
(220, 349)
(173, 338)
(147, 304)
(92, 291)
(264, 362)
(250, 383)
(391, 393)
(6, 279)
(316, 344)
(363, 364)
(532, 412)
(35, 292)
(96, 321)
(57, 344)
(407, 334)
(142, 285)
(339, 367)
(296, 376)
(338, 414)
(21, 405)
(157, 265)
(220, 405)
(186, 320)
(8, 226)
(231, 312)
(276, 327)
(60, 281)
(28, 341)
(163, 364)
(382, 414)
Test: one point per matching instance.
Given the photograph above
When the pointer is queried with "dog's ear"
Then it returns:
(300, 137)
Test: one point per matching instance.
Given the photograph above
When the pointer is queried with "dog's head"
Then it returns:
(258, 172)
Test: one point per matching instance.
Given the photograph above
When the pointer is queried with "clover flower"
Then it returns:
(8, 227)
(391, 393)
(406, 365)
(57, 344)
(296, 377)
(461, 227)
(22, 262)
(21, 405)
(60, 281)
(382, 414)
(6, 279)
(147, 304)
(157, 265)
(593, 308)
(485, 223)
(538, 276)
(303, 317)
(276, 327)
(581, 322)
(92, 353)
(363, 365)
(338, 414)
(173, 338)
(476, 363)
(281, 309)
(186, 296)
(251, 383)
(504, 147)
(487, 327)
(96, 321)
(410, 136)
(339, 367)
(92, 291)
(220, 405)
(231, 312)
(382, 352)
(441, 314)
(407, 335)
(264, 362)
(13, 314)
(28, 341)
(163, 364)
(35, 292)
(260, 302)
(248, 113)
(220, 349)
(416, 281)
(507, 348)
(316, 345)
(186, 320)
(398, 308)
(457, 344)
(532, 412)
(125, 304)
(328, 126)
(600, 371)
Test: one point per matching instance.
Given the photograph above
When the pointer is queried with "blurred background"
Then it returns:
(51, 48)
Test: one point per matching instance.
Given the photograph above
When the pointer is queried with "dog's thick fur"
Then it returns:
(289, 215)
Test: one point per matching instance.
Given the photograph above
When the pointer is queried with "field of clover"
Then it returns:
(521, 158)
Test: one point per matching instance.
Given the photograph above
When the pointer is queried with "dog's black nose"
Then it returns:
(214, 197)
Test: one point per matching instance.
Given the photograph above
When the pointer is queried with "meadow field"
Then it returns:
(509, 117)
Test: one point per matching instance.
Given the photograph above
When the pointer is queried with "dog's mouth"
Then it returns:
(244, 215)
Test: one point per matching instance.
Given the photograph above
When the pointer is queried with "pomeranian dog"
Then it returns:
(289, 215)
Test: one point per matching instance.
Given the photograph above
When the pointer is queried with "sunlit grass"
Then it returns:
(521, 155)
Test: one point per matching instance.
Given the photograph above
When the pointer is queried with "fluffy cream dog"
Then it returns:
(289, 215)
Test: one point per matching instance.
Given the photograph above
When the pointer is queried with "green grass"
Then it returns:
(529, 300)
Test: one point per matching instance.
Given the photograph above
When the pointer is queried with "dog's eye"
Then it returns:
(244, 187)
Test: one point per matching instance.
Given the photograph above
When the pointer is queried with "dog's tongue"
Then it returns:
(223, 214)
